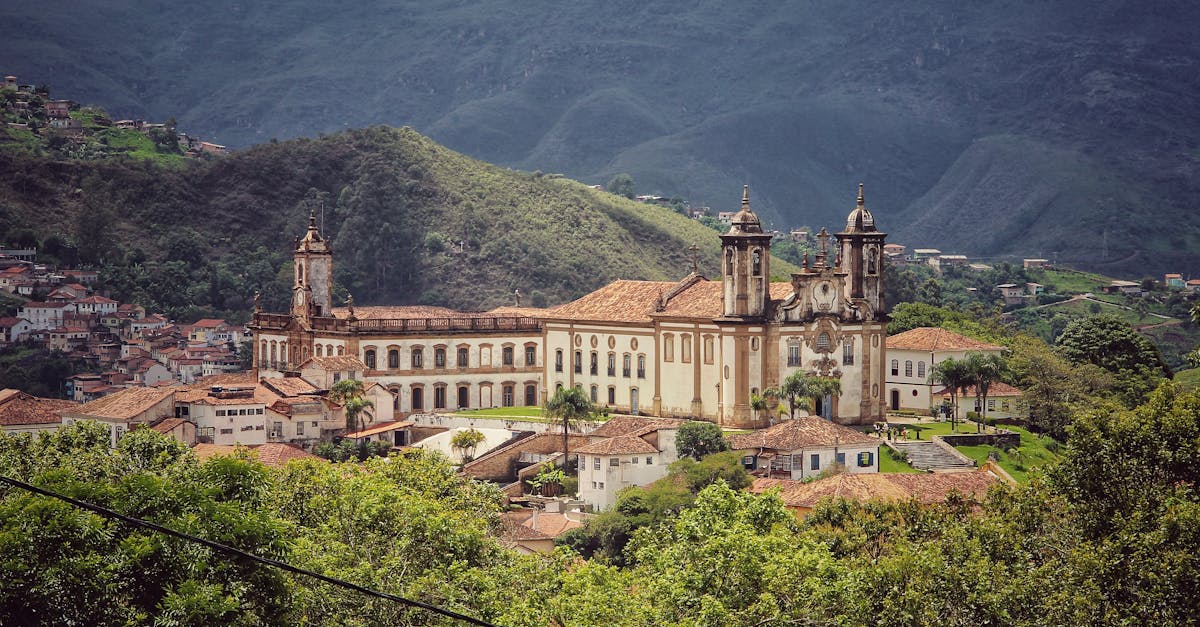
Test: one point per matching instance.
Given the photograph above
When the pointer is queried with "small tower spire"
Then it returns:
(861, 200)
(694, 254)
(745, 197)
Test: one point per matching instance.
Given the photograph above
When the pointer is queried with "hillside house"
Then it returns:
(1193, 285)
(24, 413)
(97, 305)
(249, 412)
(124, 410)
(924, 255)
(58, 109)
(1035, 288)
(1004, 401)
(177, 428)
(911, 358)
(1012, 293)
(805, 447)
(44, 316)
(10, 82)
(205, 331)
(1174, 281)
(942, 261)
(1035, 264)
(1129, 288)
(624, 452)
(14, 329)
(894, 252)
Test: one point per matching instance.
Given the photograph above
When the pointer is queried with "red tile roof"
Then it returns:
(523, 525)
(927, 488)
(18, 408)
(995, 389)
(634, 426)
(123, 405)
(382, 427)
(804, 432)
(8, 322)
(210, 323)
(936, 339)
(272, 454)
(620, 445)
(340, 362)
(168, 425)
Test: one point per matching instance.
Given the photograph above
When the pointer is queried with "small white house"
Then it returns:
(805, 447)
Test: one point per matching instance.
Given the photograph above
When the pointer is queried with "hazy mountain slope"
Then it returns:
(411, 221)
(693, 97)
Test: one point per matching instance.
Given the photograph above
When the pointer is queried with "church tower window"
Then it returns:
(756, 263)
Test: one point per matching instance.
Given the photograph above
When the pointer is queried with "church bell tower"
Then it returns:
(861, 252)
(746, 264)
(312, 291)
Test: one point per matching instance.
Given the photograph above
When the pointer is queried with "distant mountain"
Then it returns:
(1018, 127)
(411, 223)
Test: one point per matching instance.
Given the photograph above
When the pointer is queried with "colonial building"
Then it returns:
(695, 348)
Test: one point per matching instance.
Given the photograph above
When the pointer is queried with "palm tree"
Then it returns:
(954, 375)
(820, 387)
(984, 369)
(350, 394)
(758, 403)
(568, 407)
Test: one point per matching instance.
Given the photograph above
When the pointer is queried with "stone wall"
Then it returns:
(1003, 440)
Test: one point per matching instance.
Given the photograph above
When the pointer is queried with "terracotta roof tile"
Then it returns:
(804, 432)
(927, 488)
(996, 389)
(340, 362)
(406, 312)
(525, 312)
(634, 426)
(523, 525)
(272, 454)
(210, 323)
(124, 404)
(289, 386)
(19, 408)
(620, 301)
(168, 425)
(936, 339)
(382, 427)
(619, 445)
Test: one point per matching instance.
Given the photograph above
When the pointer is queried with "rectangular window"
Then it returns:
(558, 360)
(439, 358)
(530, 355)
(612, 396)
(634, 460)
(908, 368)
(814, 462)
(226, 431)
(595, 363)
(991, 404)
(578, 362)
(220, 412)
(418, 358)
(866, 458)
(641, 366)
(848, 354)
(464, 358)
(793, 359)
(439, 398)
(895, 367)
(649, 461)
(299, 427)
(612, 365)
(593, 485)
(685, 348)
(626, 367)
(601, 485)
(595, 463)
(841, 458)
(614, 462)
(668, 347)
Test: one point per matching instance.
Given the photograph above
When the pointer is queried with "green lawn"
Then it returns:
(1083, 308)
(1071, 282)
(533, 411)
(1189, 379)
(889, 463)
(1033, 452)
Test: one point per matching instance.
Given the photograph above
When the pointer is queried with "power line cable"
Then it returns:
(224, 548)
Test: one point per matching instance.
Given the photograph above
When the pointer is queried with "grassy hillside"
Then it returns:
(411, 222)
(999, 129)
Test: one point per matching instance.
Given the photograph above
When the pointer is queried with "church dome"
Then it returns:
(745, 221)
(860, 220)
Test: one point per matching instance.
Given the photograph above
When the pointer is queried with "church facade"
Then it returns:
(694, 348)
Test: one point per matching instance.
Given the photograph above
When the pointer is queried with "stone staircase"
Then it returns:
(933, 457)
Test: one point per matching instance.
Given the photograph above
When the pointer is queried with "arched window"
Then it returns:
(393, 358)
(641, 371)
(612, 364)
(594, 365)
(612, 395)
(506, 356)
(263, 354)
(531, 355)
(685, 348)
(369, 358)
(274, 353)
(418, 358)
(908, 368)
(871, 261)
(530, 395)
(439, 358)
(626, 365)
(341, 350)
(507, 396)
(895, 367)
(395, 399)
(578, 362)
(464, 358)
(318, 351)
(823, 342)
(558, 358)
(756, 263)
(921, 369)
(708, 349)
(439, 396)
(464, 397)
(595, 393)
(728, 261)
(329, 350)
(669, 347)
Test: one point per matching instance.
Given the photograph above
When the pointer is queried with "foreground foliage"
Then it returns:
(1108, 535)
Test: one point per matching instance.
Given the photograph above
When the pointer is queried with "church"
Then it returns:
(695, 348)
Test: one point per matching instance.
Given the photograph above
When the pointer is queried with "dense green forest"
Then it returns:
(1003, 128)
(410, 221)
(1108, 535)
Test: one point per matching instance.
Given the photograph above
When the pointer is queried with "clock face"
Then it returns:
(824, 295)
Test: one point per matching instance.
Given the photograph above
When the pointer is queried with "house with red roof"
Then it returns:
(25, 413)
(98, 305)
(43, 316)
(13, 329)
(911, 358)
(625, 451)
(805, 447)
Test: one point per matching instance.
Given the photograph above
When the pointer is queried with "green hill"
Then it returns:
(995, 129)
(411, 222)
